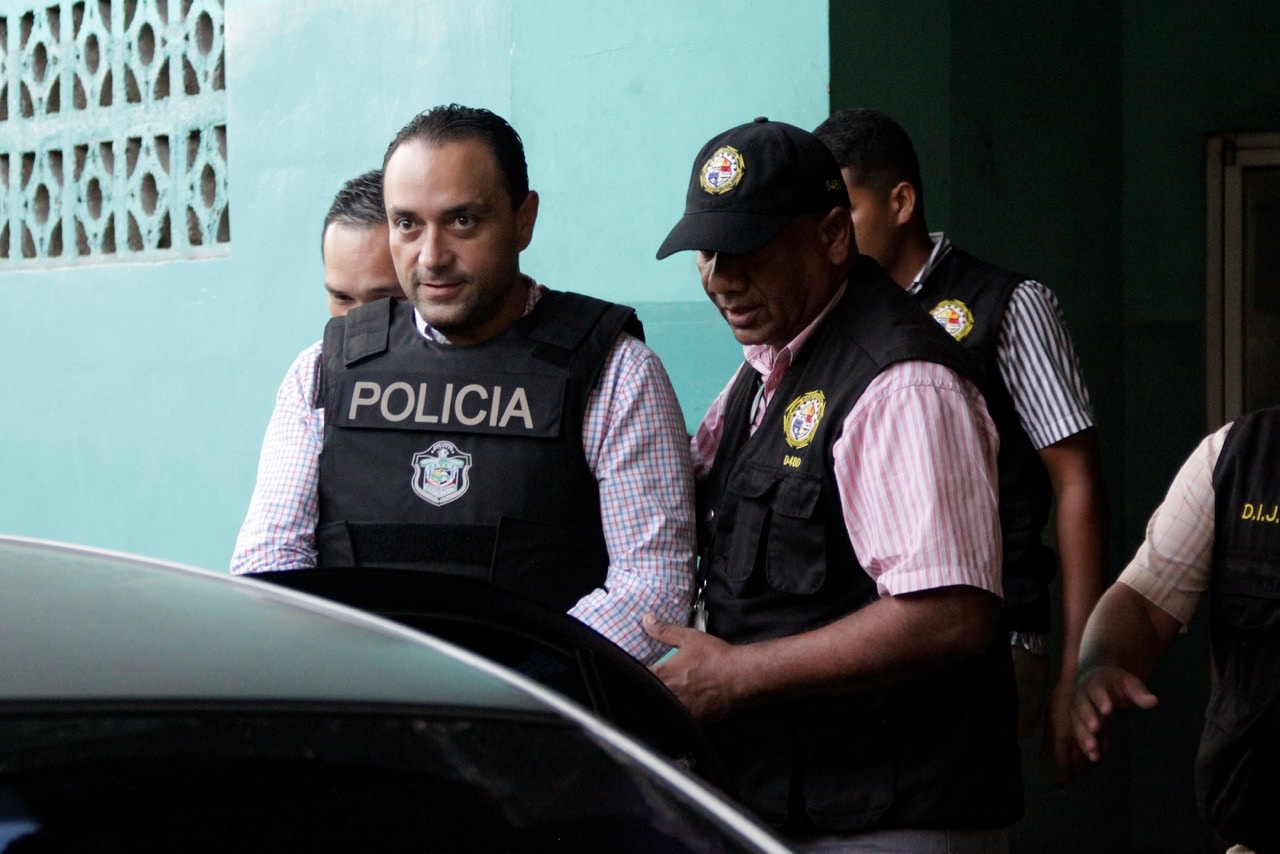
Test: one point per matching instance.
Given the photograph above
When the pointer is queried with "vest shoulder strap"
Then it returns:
(364, 331)
(368, 330)
(567, 319)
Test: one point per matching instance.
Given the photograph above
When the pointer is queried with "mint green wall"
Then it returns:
(136, 394)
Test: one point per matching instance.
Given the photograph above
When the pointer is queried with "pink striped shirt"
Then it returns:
(915, 465)
(635, 443)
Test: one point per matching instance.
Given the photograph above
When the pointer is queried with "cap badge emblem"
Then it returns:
(955, 317)
(801, 420)
(722, 171)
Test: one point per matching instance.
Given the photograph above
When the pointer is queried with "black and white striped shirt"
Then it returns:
(1036, 358)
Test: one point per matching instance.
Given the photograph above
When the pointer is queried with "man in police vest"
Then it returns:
(488, 427)
(1217, 532)
(852, 675)
(1048, 445)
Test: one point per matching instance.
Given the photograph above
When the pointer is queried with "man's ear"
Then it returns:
(836, 233)
(902, 201)
(526, 216)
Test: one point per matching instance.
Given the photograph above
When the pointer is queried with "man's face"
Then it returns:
(455, 239)
(357, 266)
(875, 222)
(768, 296)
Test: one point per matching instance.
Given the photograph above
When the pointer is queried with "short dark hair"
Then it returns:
(454, 122)
(358, 203)
(874, 148)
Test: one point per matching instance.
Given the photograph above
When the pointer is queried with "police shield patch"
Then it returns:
(802, 418)
(440, 473)
(955, 317)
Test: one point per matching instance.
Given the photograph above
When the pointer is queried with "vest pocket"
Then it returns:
(738, 553)
(1237, 782)
(796, 561)
(847, 755)
(776, 529)
(1236, 768)
(1245, 594)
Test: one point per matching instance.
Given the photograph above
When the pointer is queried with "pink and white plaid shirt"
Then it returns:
(1172, 566)
(636, 446)
(915, 465)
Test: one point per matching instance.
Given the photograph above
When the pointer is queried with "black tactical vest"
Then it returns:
(939, 752)
(1238, 767)
(968, 297)
(467, 460)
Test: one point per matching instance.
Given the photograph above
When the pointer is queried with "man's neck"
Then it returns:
(916, 249)
(529, 292)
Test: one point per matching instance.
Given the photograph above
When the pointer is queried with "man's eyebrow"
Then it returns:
(467, 207)
(471, 206)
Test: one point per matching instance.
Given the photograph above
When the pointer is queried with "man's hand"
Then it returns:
(699, 672)
(1099, 693)
(1059, 741)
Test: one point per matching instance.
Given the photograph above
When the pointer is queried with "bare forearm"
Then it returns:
(1081, 524)
(1125, 635)
(1082, 558)
(1126, 631)
(891, 641)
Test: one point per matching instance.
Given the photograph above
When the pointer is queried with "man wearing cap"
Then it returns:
(851, 674)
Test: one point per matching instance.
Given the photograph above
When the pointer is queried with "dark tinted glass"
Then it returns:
(293, 781)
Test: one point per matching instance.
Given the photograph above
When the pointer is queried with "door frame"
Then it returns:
(1227, 156)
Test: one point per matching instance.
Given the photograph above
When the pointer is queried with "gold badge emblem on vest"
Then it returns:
(955, 317)
(802, 417)
(722, 171)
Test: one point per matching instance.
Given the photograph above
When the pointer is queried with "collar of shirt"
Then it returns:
(941, 246)
(535, 293)
(772, 363)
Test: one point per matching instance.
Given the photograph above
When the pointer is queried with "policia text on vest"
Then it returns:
(482, 404)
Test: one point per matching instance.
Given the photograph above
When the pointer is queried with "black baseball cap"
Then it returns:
(749, 182)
